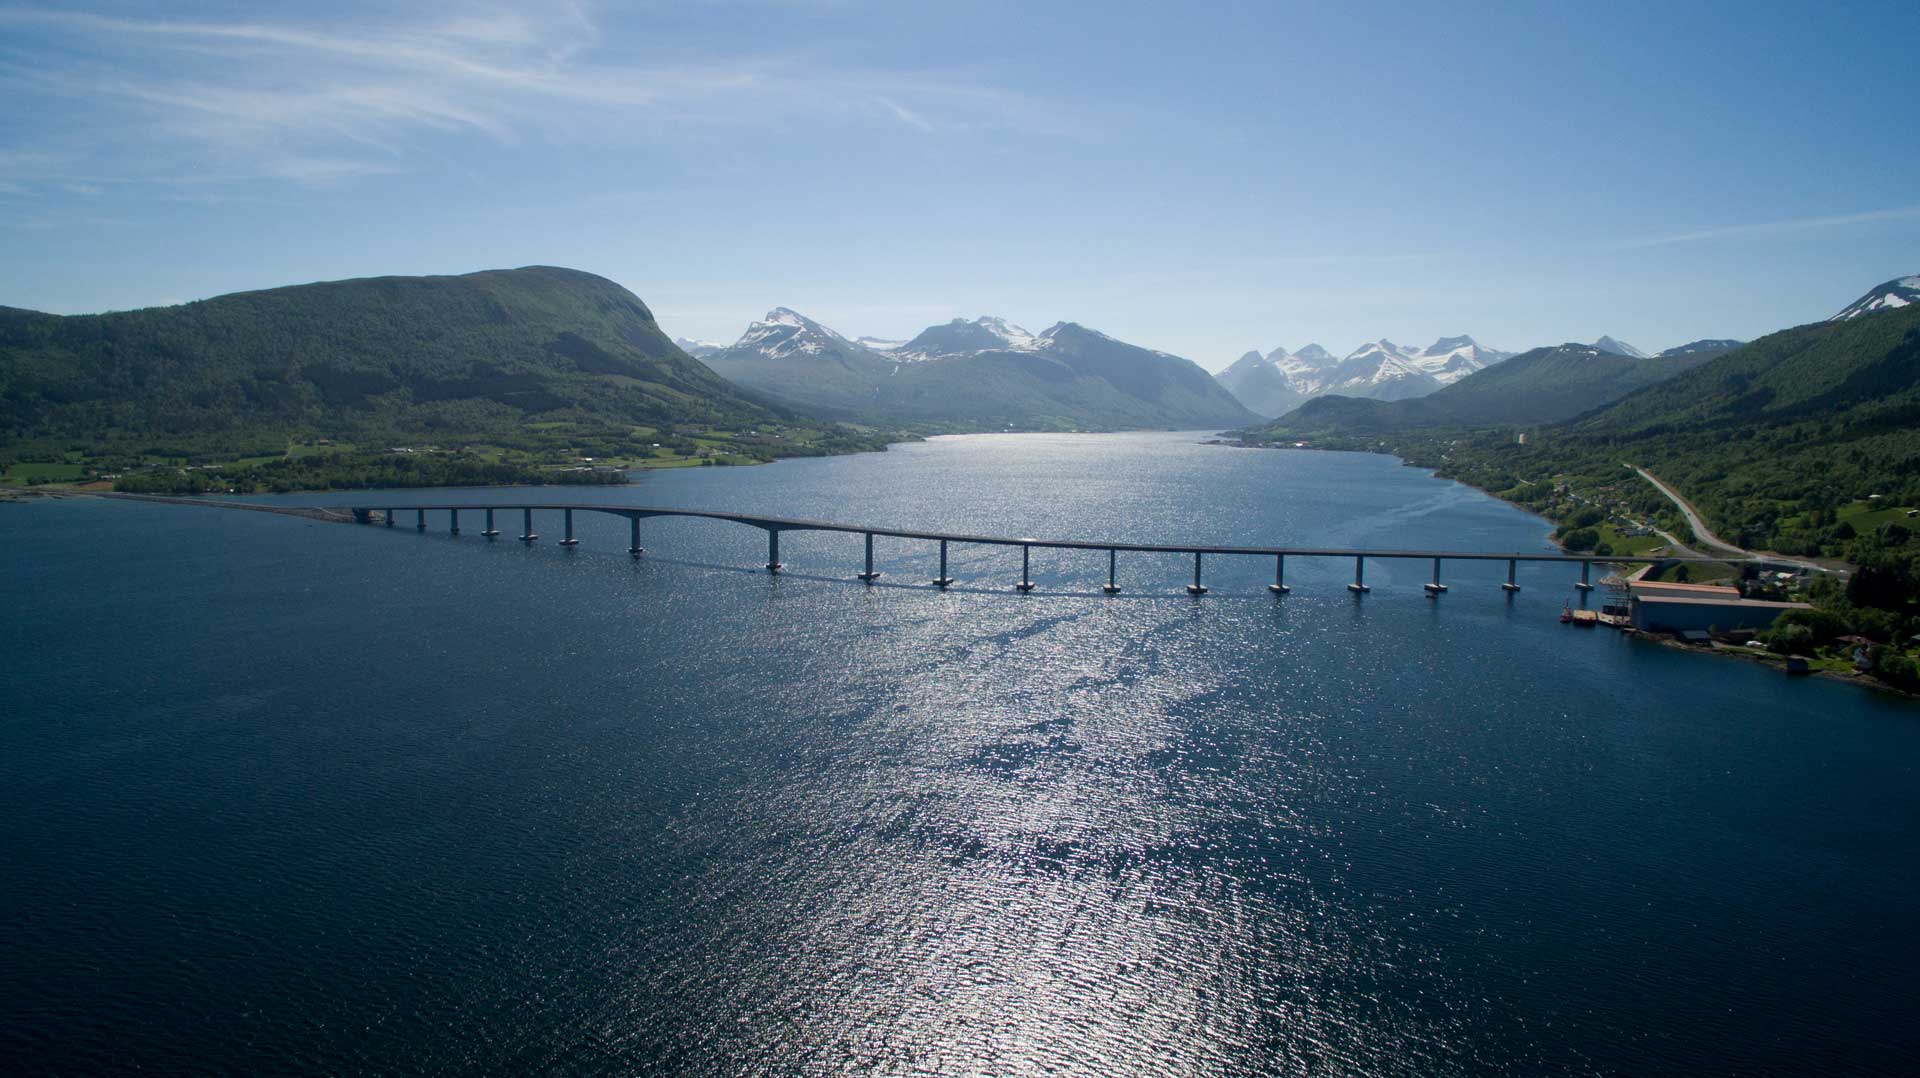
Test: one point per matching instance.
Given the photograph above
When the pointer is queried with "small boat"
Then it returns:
(1566, 613)
(1586, 619)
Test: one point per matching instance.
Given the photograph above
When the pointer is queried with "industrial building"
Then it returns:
(1662, 607)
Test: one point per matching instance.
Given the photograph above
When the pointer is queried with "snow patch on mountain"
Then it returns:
(699, 349)
(1619, 348)
(1891, 296)
(961, 337)
(785, 332)
(1380, 369)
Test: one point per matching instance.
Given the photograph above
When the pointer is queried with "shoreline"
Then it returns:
(1768, 658)
(1664, 639)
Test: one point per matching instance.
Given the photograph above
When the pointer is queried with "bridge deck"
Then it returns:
(791, 524)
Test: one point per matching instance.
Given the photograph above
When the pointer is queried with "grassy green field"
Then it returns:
(1621, 543)
(1710, 573)
(1866, 516)
(22, 474)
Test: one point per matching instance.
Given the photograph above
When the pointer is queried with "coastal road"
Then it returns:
(1716, 545)
(1700, 529)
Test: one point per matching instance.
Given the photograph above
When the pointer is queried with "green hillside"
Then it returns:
(842, 378)
(542, 362)
(1865, 371)
(1545, 385)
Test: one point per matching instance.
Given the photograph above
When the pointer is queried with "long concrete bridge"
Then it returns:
(392, 515)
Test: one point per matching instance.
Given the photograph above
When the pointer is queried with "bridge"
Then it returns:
(775, 526)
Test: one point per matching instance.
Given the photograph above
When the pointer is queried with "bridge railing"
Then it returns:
(774, 526)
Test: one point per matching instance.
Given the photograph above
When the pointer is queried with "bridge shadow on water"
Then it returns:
(1323, 590)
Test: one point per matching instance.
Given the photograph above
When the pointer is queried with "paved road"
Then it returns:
(1700, 529)
(330, 514)
(1713, 542)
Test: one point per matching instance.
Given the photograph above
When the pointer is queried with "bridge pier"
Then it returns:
(943, 580)
(1196, 588)
(420, 520)
(868, 574)
(773, 551)
(569, 540)
(453, 522)
(1510, 587)
(1279, 585)
(527, 534)
(633, 547)
(391, 513)
(1586, 571)
(1026, 579)
(1359, 585)
(1435, 587)
(490, 531)
(1113, 585)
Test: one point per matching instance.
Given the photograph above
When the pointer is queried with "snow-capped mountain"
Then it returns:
(1890, 296)
(785, 333)
(1450, 359)
(1260, 383)
(1306, 361)
(1381, 370)
(1619, 348)
(877, 344)
(963, 338)
(699, 349)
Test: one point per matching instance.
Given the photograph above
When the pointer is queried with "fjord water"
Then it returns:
(280, 796)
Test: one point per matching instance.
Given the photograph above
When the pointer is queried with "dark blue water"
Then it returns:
(279, 796)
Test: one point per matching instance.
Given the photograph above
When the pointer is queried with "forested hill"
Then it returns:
(1845, 375)
(1545, 385)
(473, 356)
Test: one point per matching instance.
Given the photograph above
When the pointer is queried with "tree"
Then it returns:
(1895, 669)
(1881, 581)
(1580, 539)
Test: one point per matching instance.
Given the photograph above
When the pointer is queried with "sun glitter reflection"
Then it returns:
(1071, 840)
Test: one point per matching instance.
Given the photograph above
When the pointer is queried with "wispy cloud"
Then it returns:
(1771, 228)
(282, 100)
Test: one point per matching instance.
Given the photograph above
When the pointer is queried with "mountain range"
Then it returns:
(1279, 381)
(1545, 385)
(984, 372)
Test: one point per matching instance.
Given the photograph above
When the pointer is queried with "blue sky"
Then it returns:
(1201, 181)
